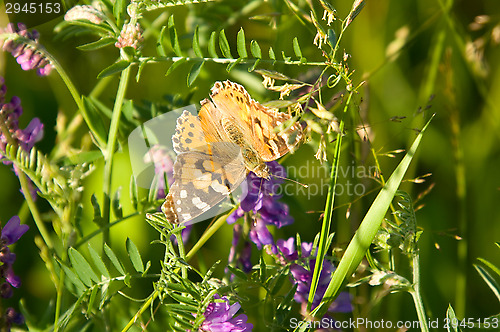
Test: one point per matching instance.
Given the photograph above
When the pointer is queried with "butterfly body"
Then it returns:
(232, 135)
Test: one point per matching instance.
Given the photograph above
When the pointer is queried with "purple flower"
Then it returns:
(301, 275)
(241, 259)
(10, 131)
(24, 46)
(261, 200)
(12, 317)
(13, 230)
(219, 317)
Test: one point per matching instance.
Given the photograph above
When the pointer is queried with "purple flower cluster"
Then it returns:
(27, 55)
(9, 116)
(262, 200)
(219, 317)
(10, 131)
(11, 232)
(302, 276)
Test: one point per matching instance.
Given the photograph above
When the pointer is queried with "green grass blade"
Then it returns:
(367, 230)
(327, 216)
(489, 280)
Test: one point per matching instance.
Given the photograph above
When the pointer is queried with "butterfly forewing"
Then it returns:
(259, 124)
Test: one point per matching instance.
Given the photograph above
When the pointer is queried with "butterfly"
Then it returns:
(231, 136)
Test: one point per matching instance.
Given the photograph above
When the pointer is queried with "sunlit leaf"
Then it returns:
(224, 45)
(135, 256)
(241, 44)
(196, 43)
(194, 72)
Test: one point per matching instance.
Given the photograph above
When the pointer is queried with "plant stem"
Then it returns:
(208, 234)
(110, 150)
(415, 293)
(182, 252)
(34, 210)
(144, 307)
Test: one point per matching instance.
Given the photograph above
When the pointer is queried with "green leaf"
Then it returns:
(160, 46)
(175, 65)
(128, 111)
(255, 49)
(97, 209)
(86, 26)
(119, 7)
(452, 319)
(103, 42)
(82, 267)
(134, 193)
(194, 72)
(490, 265)
(357, 6)
(80, 287)
(332, 38)
(127, 279)
(272, 74)
(279, 103)
(237, 273)
(112, 257)
(252, 68)
(285, 58)
(142, 64)
(241, 44)
(224, 45)
(296, 48)
(231, 65)
(262, 269)
(278, 283)
(285, 305)
(94, 120)
(114, 68)
(135, 256)
(489, 280)
(82, 157)
(196, 43)
(92, 298)
(174, 39)
(116, 205)
(211, 46)
(98, 262)
(271, 54)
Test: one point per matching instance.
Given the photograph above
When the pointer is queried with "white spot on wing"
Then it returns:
(219, 187)
(183, 194)
(199, 204)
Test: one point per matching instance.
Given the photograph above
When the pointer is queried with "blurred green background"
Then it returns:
(406, 52)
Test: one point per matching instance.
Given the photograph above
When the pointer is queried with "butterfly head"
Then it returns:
(262, 171)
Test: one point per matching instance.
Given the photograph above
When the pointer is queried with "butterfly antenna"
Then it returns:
(285, 178)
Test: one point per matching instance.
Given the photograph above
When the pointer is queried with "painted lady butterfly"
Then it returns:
(231, 135)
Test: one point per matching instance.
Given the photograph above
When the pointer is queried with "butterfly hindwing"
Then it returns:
(201, 181)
